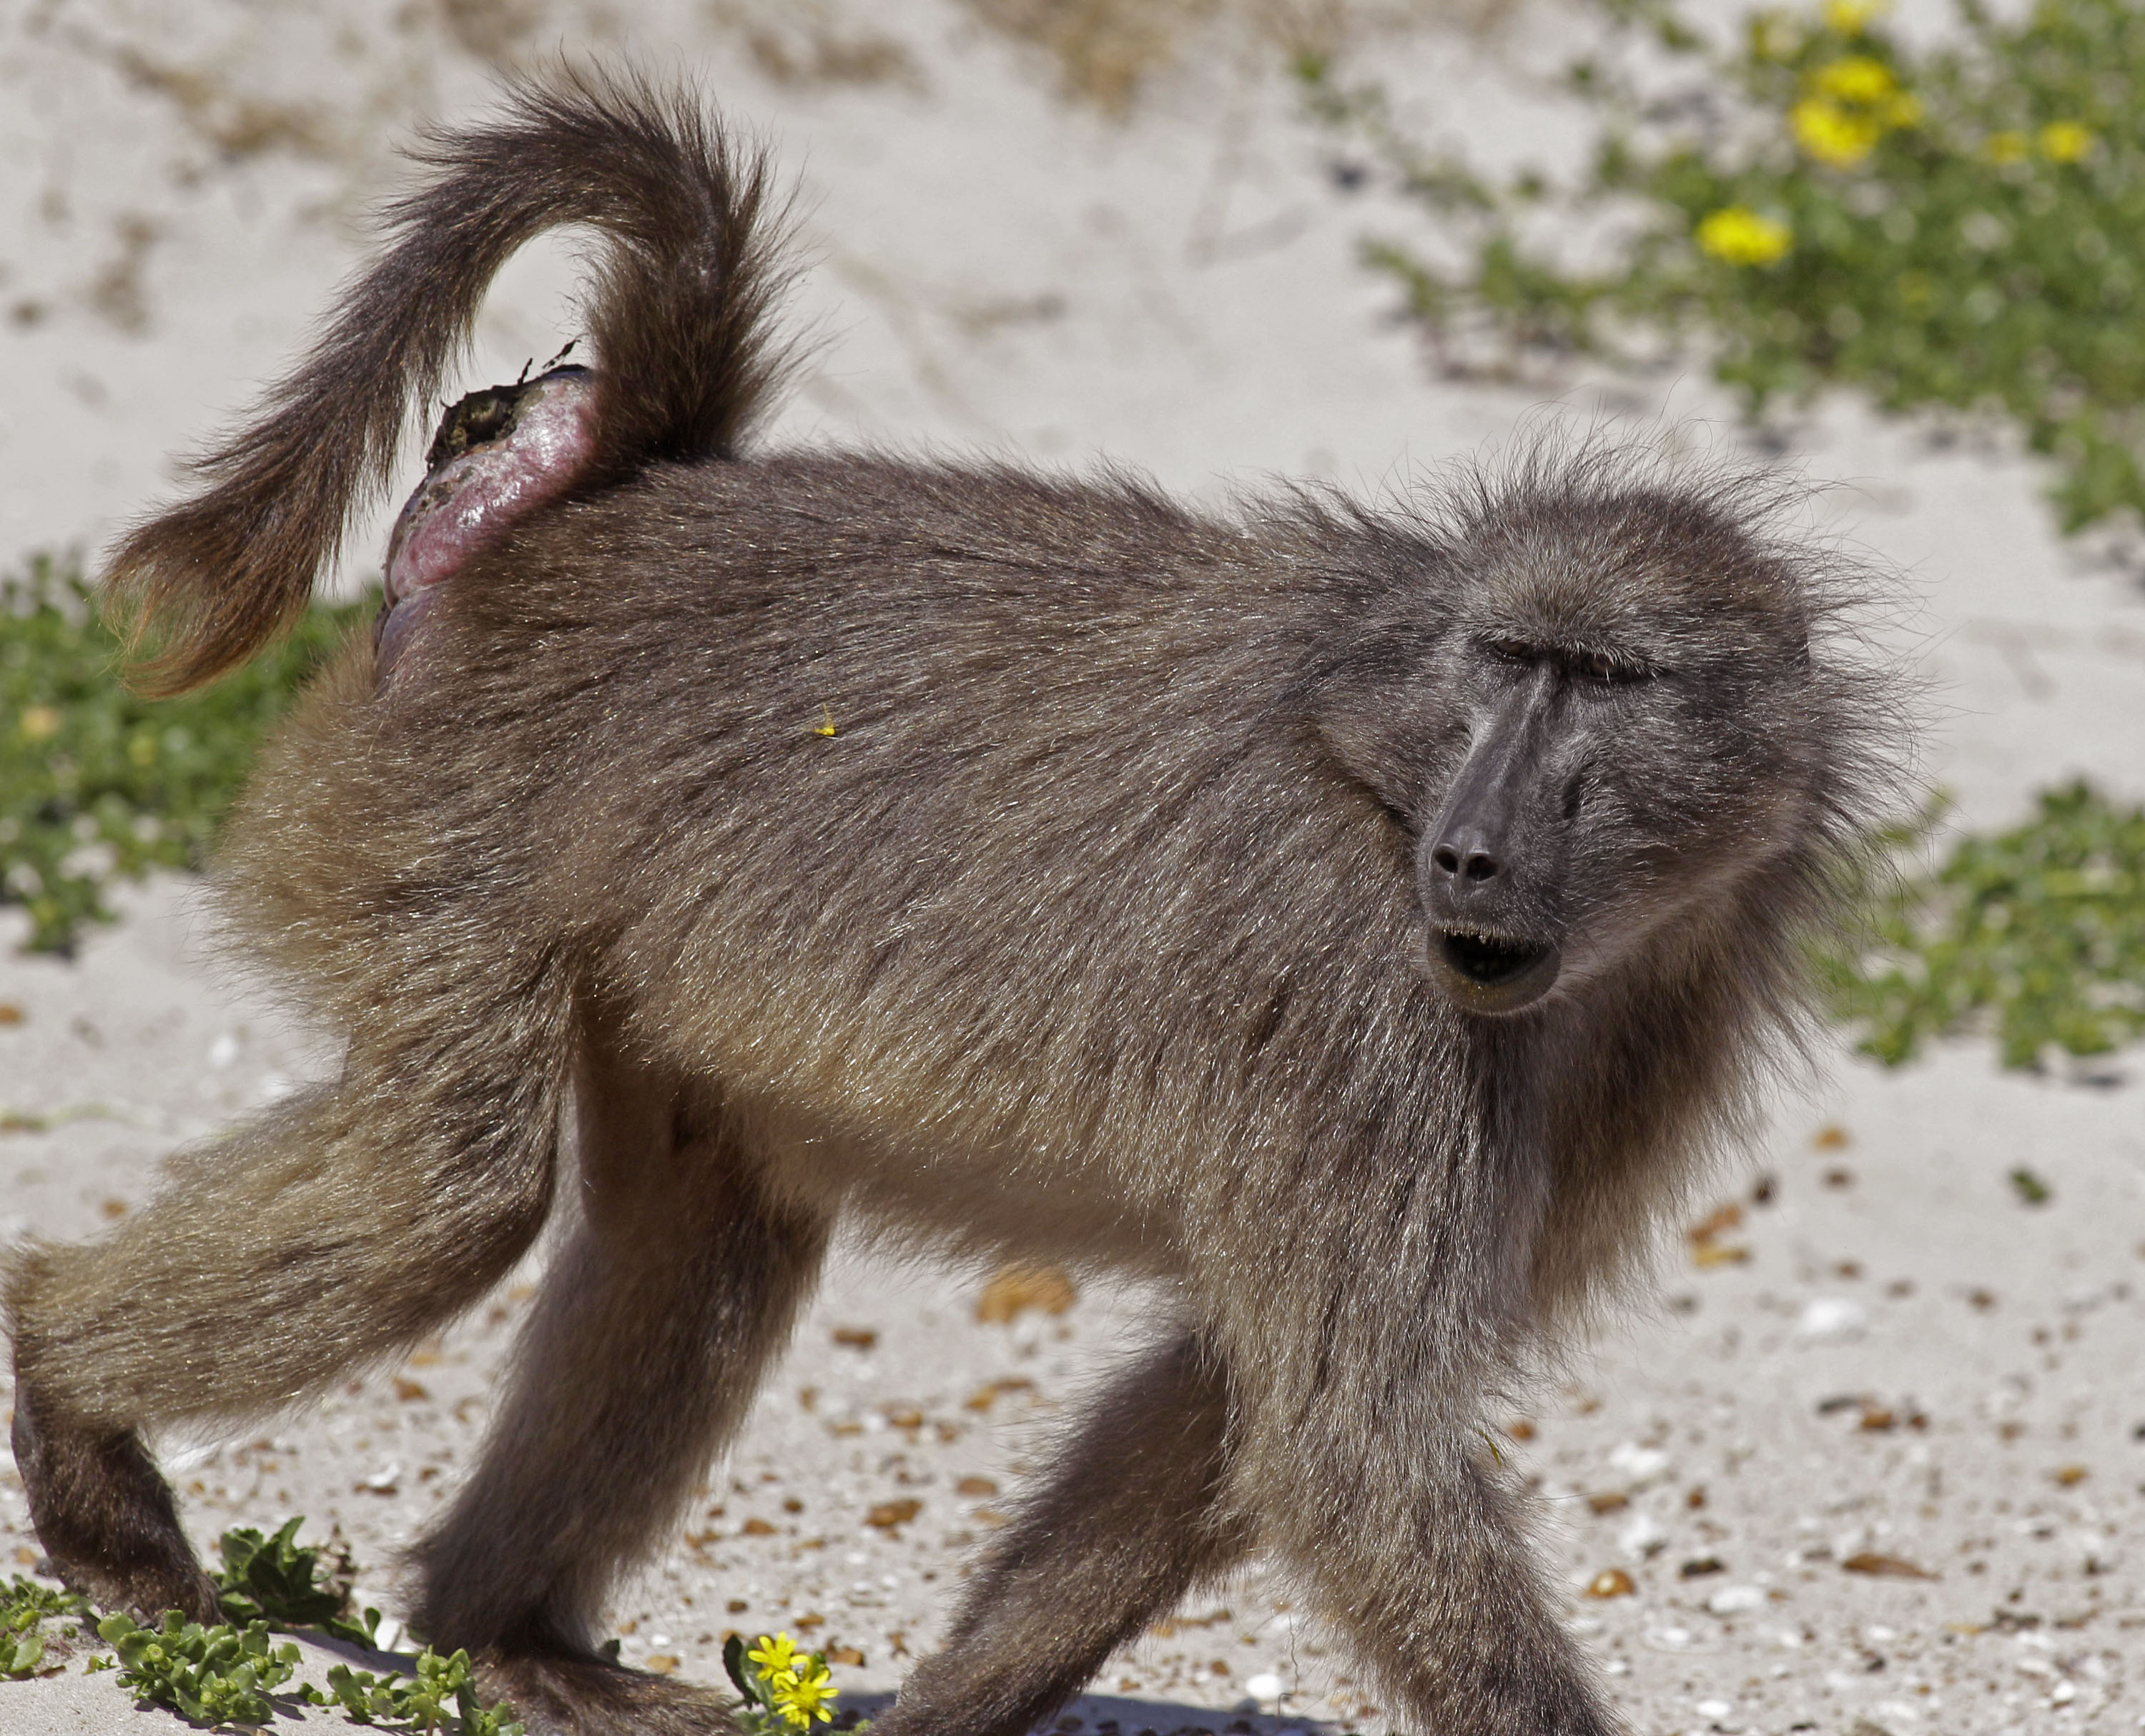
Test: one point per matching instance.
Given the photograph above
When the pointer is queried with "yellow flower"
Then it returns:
(2065, 141)
(1831, 135)
(774, 1656)
(1857, 78)
(1740, 237)
(1850, 17)
(2004, 147)
(802, 1693)
(1903, 110)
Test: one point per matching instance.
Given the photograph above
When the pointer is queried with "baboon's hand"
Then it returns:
(499, 454)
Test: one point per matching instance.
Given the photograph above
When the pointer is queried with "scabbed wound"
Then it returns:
(499, 454)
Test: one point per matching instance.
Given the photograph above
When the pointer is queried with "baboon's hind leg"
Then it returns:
(680, 1281)
(331, 1230)
(1126, 1522)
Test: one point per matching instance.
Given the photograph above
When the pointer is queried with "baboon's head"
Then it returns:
(1600, 714)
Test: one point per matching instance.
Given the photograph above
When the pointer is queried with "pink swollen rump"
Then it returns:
(500, 454)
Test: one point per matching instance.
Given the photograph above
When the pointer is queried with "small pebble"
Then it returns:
(1827, 1319)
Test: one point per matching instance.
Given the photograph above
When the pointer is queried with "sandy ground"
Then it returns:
(1886, 1360)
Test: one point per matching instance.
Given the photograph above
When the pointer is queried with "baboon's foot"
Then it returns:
(563, 1693)
(977, 1695)
(105, 1516)
(499, 454)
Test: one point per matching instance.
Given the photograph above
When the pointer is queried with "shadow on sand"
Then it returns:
(1107, 1714)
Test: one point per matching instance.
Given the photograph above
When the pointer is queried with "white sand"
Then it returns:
(1179, 292)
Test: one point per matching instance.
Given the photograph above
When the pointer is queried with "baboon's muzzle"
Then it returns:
(1485, 947)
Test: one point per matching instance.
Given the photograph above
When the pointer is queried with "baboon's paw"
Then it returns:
(499, 454)
(570, 1695)
(106, 1517)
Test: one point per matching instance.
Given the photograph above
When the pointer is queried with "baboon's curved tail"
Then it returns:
(679, 314)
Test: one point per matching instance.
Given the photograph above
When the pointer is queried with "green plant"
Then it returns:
(442, 1695)
(275, 1580)
(25, 1606)
(2038, 932)
(1958, 229)
(98, 786)
(287, 1585)
(226, 1673)
(211, 1675)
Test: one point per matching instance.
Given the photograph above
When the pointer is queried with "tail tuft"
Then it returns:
(680, 313)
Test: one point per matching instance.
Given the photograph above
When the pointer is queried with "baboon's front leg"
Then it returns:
(680, 1282)
(1124, 1522)
(1412, 1545)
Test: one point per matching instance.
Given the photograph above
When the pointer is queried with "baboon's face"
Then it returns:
(1584, 755)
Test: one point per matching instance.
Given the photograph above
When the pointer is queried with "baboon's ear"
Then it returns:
(1378, 710)
(1364, 740)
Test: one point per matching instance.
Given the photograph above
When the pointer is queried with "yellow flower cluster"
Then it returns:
(1740, 237)
(1848, 106)
(1858, 79)
(798, 1683)
(2060, 141)
(2065, 141)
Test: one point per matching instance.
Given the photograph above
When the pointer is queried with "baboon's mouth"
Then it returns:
(1488, 961)
(1493, 972)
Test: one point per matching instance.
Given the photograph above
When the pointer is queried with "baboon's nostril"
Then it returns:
(1464, 859)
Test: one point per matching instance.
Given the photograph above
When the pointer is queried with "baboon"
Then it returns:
(1364, 920)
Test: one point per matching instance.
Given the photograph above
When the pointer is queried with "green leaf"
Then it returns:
(20, 1654)
(25, 1606)
(273, 1580)
(745, 1681)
